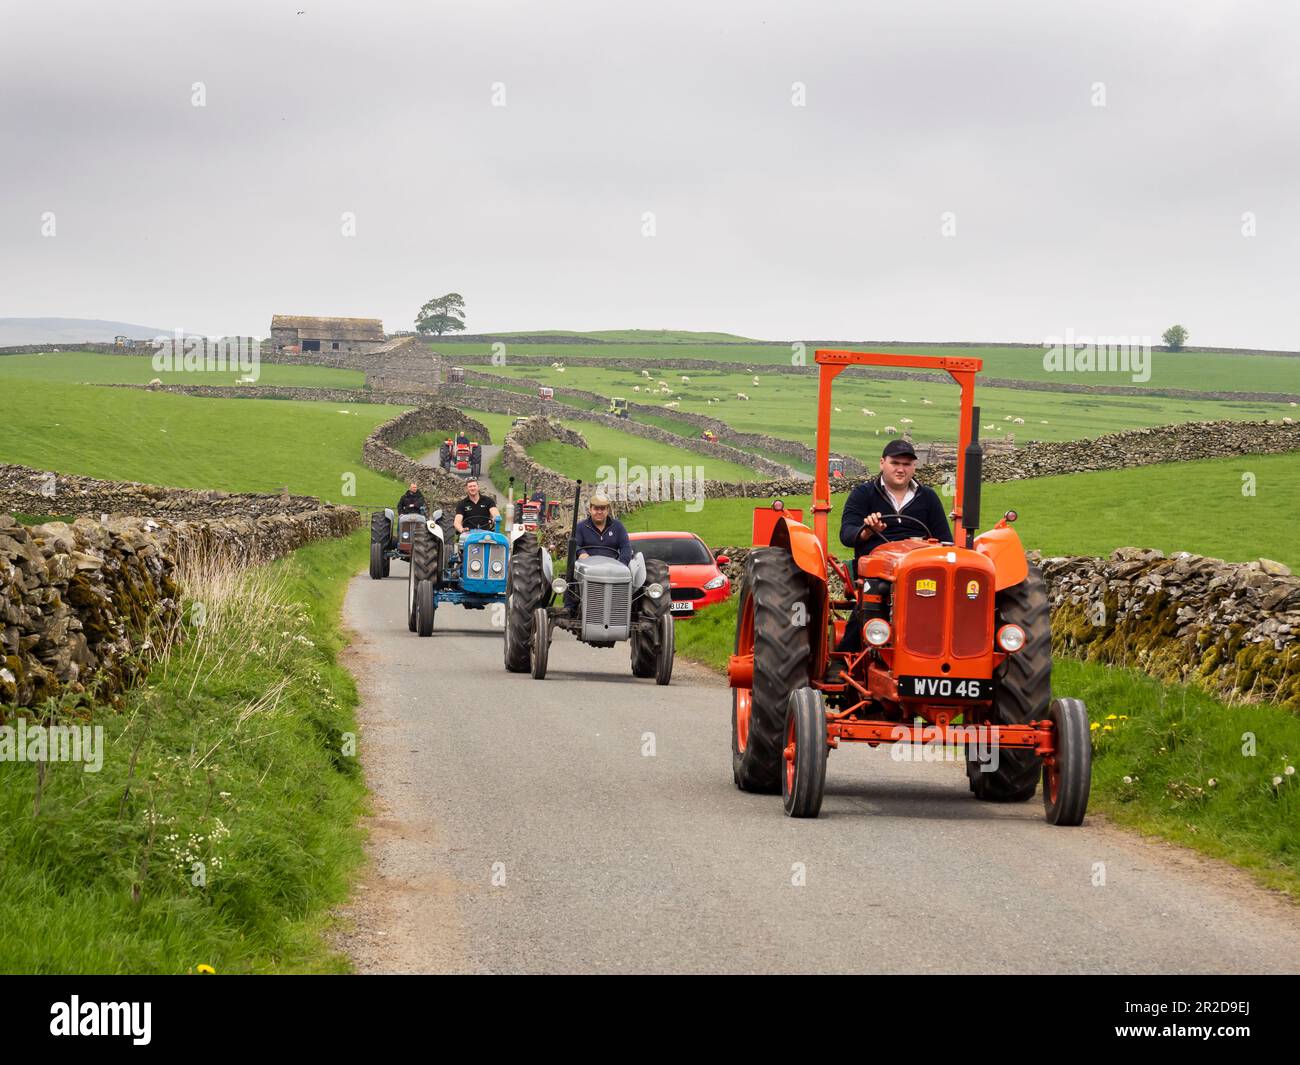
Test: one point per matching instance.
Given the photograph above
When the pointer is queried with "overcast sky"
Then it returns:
(770, 219)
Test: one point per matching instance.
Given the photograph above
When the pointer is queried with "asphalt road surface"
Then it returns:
(588, 823)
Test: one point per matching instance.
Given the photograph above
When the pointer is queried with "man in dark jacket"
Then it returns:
(600, 530)
(412, 501)
(893, 506)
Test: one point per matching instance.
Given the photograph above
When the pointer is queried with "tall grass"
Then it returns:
(221, 826)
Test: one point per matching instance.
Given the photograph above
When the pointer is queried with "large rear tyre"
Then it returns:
(667, 649)
(377, 561)
(1022, 690)
(444, 455)
(525, 592)
(1068, 780)
(426, 603)
(381, 529)
(541, 642)
(803, 781)
(774, 624)
(646, 640)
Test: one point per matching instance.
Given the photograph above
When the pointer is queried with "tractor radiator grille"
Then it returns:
(927, 590)
(607, 605)
(972, 613)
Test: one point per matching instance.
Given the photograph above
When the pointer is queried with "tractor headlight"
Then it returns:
(496, 566)
(475, 566)
(1011, 637)
(559, 585)
(717, 582)
(654, 590)
(877, 632)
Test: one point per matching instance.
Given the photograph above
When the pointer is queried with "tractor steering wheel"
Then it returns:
(613, 551)
(908, 517)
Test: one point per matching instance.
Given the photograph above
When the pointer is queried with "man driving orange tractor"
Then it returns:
(893, 506)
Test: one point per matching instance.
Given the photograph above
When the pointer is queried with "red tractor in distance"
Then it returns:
(956, 643)
(461, 456)
(530, 513)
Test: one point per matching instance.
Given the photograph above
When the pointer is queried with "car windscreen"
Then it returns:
(675, 550)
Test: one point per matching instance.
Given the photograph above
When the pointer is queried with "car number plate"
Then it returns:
(973, 688)
(684, 607)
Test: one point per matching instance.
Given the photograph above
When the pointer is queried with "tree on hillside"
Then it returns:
(446, 314)
(1175, 336)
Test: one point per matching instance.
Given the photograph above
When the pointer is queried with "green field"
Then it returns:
(236, 445)
(85, 367)
(607, 447)
(1196, 370)
(786, 406)
(1190, 506)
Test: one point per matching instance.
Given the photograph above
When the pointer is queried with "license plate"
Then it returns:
(686, 607)
(945, 688)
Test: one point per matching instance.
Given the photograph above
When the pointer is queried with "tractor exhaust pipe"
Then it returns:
(974, 469)
(510, 503)
(573, 531)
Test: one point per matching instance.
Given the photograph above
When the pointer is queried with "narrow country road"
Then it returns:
(588, 823)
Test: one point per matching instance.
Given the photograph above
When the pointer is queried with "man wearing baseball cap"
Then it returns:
(893, 506)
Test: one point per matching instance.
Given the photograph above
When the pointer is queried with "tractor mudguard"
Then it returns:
(548, 569)
(1004, 549)
(637, 566)
(806, 550)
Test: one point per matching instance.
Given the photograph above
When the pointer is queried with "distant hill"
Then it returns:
(14, 331)
(624, 336)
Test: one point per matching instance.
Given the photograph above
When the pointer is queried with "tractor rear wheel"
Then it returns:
(426, 603)
(444, 455)
(476, 461)
(1022, 691)
(773, 624)
(803, 776)
(381, 530)
(426, 565)
(1068, 780)
(646, 642)
(525, 591)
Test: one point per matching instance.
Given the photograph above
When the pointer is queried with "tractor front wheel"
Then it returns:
(774, 625)
(425, 565)
(377, 561)
(1067, 777)
(803, 777)
(426, 603)
(646, 642)
(667, 649)
(541, 642)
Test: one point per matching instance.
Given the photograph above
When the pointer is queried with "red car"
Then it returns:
(697, 580)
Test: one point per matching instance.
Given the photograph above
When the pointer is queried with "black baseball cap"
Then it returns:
(898, 447)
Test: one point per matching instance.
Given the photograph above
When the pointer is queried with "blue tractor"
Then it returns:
(471, 573)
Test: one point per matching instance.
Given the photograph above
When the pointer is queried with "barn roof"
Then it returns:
(331, 328)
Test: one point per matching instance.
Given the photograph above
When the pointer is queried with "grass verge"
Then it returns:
(1169, 760)
(221, 827)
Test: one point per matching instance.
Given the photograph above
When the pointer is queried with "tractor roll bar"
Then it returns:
(974, 460)
(573, 531)
(832, 362)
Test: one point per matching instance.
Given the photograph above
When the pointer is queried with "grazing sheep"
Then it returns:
(1017, 421)
(993, 426)
(838, 411)
(1292, 403)
(636, 388)
(755, 380)
(1007, 418)
(559, 369)
(1042, 423)
(891, 428)
(868, 413)
(1288, 421)
(674, 403)
(645, 373)
(741, 395)
(905, 421)
(902, 401)
(685, 380)
(156, 383)
(928, 402)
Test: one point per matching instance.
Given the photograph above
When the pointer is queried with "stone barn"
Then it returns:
(405, 364)
(293, 332)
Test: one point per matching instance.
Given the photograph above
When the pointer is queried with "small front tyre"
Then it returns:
(541, 642)
(667, 648)
(803, 777)
(425, 605)
(1067, 776)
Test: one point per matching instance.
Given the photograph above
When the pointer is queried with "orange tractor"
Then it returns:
(956, 643)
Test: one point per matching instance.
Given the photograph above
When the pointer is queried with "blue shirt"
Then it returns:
(614, 536)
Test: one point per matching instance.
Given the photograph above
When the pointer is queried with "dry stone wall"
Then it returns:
(441, 488)
(80, 602)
